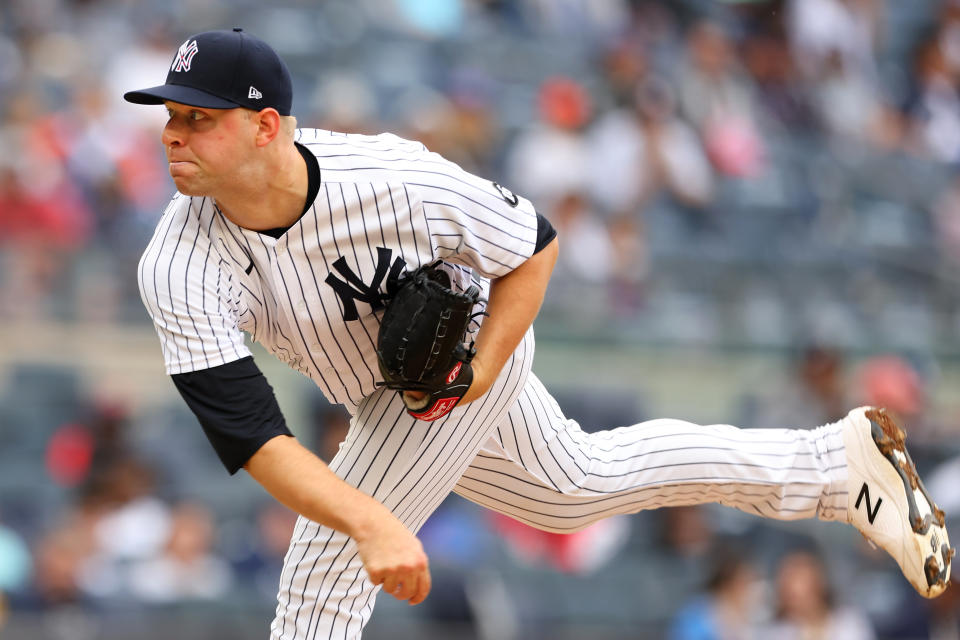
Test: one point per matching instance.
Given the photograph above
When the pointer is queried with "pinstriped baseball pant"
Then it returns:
(514, 452)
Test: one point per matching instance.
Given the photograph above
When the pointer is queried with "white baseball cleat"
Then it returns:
(888, 503)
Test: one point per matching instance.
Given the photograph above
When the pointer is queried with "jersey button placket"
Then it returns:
(298, 305)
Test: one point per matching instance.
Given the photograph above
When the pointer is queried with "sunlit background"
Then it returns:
(759, 212)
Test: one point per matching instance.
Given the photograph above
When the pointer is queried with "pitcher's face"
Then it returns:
(206, 147)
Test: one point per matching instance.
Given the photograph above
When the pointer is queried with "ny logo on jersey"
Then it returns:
(184, 56)
(865, 497)
(354, 288)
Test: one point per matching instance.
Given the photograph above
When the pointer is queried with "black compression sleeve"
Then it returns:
(545, 233)
(236, 408)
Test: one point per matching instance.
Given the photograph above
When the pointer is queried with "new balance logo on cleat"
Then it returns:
(865, 497)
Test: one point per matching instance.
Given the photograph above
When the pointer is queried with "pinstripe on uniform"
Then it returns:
(205, 281)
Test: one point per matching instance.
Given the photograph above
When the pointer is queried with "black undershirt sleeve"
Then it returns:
(236, 408)
(545, 233)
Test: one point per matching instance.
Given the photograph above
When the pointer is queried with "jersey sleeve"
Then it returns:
(189, 292)
(474, 221)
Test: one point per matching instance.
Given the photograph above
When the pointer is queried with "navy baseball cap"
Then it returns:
(223, 70)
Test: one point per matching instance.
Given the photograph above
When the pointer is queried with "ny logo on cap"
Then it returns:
(184, 56)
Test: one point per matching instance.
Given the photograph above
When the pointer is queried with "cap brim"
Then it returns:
(180, 94)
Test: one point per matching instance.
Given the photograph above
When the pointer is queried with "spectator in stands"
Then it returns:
(826, 33)
(188, 568)
(143, 55)
(58, 561)
(894, 383)
(718, 98)
(61, 557)
(344, 101)
(476, 128)
(816, 389)
(257, 569)
(549, 158)
(806, 608)
(624, 64)
(588, 251)
(135, 522)
(728, 607)
(933, 106)
(783, 98)
(646, 152)
(456, 121)
(124, 523)
(629, 264)
(686, 538)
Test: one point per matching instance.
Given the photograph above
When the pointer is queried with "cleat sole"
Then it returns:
(890, 440)
(937, 577)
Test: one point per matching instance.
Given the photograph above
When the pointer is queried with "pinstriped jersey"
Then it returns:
(312, 296)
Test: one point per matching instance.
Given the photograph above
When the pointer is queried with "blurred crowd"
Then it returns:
(107, 513)
(114, 525)
(706, 163)
(770, 173)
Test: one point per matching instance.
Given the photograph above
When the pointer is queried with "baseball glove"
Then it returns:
(421, 342)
